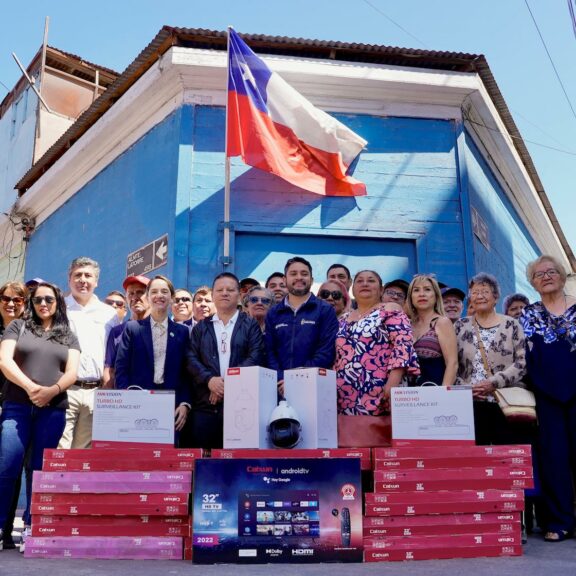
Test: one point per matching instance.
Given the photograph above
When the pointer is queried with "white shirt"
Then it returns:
(91, 323)
(223, 339)
(159, 343)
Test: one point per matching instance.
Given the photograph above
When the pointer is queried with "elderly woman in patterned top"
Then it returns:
(550, 327)
(374, 351)
(491, 355)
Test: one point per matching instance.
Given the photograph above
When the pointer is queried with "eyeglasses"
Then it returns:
(182, 299)
(484, 292)
(394, 294)
(255, 299)
(39, 299)
(223, 340)
(114, 303)
(18, 300)
(551, 273)
(325, 294)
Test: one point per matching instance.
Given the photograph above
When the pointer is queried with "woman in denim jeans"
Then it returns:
(39, 357)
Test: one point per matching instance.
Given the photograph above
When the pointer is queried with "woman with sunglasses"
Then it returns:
(227, 339)
(39, 357)
(434, 336)
(374, 351)
(550, 328)
(258, 301)
(334, 293)
(12, 300)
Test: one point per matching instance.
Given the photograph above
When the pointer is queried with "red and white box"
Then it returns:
(76, 509)
(425, 463)
(120, 548)
(251, 395)
(436, 524)
(364, 454)
(445, 541)
(71, 521)
(117, 465)
(112, 482)
(312, 393)
(453, 485)
(379, 555)
(120, 500)
(452, 451)
(98, 528)
(458, 474)
(447, 496)
(125, 454)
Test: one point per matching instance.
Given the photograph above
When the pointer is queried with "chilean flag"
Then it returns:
(276, 129)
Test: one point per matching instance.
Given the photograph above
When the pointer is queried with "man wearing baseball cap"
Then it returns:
(453, 299)
(135, 287)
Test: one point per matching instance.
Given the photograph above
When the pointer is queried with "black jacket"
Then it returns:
(246, 349)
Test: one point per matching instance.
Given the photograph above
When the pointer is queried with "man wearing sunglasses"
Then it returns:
(300, 330)
(91, 320)
(118, 301)
(135, 287)
(182, 308)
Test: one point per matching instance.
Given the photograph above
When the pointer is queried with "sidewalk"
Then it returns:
(540, 559)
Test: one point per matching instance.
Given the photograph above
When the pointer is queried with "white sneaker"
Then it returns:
(26, 532)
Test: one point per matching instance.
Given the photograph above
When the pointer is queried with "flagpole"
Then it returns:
(226, 248)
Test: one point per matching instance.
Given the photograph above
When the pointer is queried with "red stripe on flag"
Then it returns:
(275, 148)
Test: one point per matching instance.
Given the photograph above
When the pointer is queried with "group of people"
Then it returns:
(57, 351)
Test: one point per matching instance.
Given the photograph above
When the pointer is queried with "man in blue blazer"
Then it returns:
(152, 352)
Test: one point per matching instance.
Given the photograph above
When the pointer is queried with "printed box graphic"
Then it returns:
(277, 510)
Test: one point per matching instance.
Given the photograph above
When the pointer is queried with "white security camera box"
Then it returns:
(312, 393)
(250, 395)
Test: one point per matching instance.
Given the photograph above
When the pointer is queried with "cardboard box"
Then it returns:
(112, 482)
(442, 520)
(452, 485)
(136, 452)
(458, 474)
(119, 500)
(448, 496)
(312, 393)
(435, 530)
(450, 451)
(402, 508)
(364, 454)
(110, 529)
(110, 509)
(425, 463)
(251, 394)
(117, 465)
(377, 555)
(445, 541)
(72, 521)
(120, 548)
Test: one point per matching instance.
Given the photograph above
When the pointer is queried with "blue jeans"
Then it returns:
(24, 427)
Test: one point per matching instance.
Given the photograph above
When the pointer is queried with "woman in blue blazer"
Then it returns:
(152, 352)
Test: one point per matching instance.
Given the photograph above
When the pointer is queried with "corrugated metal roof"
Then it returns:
(301, 47)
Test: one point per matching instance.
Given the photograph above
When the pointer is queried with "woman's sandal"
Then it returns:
(557, 535)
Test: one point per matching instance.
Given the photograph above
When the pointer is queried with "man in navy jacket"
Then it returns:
(300, 330)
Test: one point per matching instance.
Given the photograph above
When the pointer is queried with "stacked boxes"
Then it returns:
(446, 501)
(127, 503)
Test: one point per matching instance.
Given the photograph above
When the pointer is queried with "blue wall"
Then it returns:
(411, 173)
(127, 205)
(414, 218)
(511, 247)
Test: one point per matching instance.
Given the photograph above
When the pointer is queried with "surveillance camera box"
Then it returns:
(250, 395)
(312, 393)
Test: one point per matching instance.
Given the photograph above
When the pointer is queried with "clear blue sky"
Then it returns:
(113, 33)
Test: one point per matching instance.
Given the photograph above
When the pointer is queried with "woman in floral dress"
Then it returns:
(374, 350)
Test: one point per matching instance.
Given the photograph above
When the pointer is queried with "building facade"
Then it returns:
(449, 191)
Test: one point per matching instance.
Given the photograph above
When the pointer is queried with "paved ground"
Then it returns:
(540, 559)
